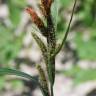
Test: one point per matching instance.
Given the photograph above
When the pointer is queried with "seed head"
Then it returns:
(45, 6)
(35, 17)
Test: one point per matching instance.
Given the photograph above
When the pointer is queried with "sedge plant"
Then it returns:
(49, 51)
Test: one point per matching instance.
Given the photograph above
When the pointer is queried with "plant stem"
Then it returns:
(51, 43)
(52, 94)
(67, 31)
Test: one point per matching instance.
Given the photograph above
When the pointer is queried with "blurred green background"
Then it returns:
(81, 41)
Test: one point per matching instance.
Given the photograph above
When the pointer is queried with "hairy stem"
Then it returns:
(51, 43)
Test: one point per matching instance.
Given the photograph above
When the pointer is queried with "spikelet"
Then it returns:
(35, 17)
(43, 80)
(45, 7)
(37, 21)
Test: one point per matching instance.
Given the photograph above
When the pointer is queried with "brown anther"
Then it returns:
(35, 17)
(43, 10)
(49, 3)
(46, 5)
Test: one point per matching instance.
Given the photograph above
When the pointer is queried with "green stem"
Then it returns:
(67, 31)
(51, 43)
(52, 94)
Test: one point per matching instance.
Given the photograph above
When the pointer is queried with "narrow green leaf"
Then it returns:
(8, 71)
(54, 11)
(67, 31)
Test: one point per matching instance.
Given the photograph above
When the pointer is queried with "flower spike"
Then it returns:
(35, 17)
(45, 6)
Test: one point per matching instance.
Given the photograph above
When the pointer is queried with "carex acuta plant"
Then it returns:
(49, 51)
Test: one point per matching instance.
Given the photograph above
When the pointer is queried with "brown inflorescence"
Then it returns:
(45, 6)
(35, 17)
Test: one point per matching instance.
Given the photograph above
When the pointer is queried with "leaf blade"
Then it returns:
(67, 31)
(8, 71)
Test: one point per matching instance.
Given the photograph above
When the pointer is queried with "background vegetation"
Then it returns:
(81, 41)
